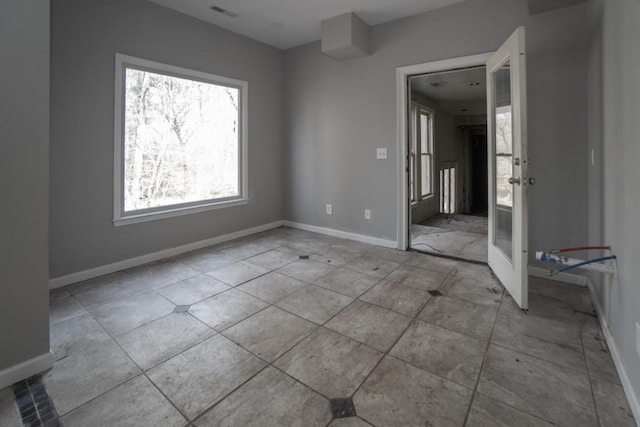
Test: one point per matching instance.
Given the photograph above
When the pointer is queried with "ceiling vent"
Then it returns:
(223, 11)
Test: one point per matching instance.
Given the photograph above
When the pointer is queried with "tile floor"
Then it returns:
(248, 333)
(442, 241)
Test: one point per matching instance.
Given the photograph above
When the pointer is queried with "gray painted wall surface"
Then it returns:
(24, 180)
(85, 37)
(339, 112)
(614, 67)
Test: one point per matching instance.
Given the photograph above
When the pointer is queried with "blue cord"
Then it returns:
(591, 261)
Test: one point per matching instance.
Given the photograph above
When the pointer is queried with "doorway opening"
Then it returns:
(448, 174)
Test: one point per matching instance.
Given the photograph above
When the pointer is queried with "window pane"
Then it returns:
(426, 174)
(181, 141)
(424, 133)
(504, 190)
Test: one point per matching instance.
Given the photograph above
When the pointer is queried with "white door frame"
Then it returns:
(402, 98)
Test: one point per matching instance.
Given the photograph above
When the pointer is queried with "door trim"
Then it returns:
(402, 100)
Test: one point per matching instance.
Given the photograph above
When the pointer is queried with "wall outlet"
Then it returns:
(381, 153)
(329, 209)
(367, 214)
(638, 338)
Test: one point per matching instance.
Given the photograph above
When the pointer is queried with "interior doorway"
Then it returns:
(448, 176)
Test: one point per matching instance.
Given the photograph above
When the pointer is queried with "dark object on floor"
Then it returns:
(342, 408)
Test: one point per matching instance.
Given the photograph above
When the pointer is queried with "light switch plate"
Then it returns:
(329, 209)
(381, 153)
(367, 214)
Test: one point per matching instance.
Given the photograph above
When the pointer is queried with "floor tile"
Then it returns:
(461, 316)
(59, 293)
(486, 412)
(314, 303)
(271, 398)
(372, 325)
(9, 413)
(193, 290)
(400, 298)
(473, 290)
(64, 309)
(245, 249)
(598, 357)
(442, 352)
(238, 273)
(335, 256)
(329, 363)
(201, 376)
(388, 254)
(541, 306)
(544, 338)
(107, 289)
(429, 262)
(167, 272)
(273, 259)
(134, 403)
(557, 394)
(272, 287)
(372, 265)
(347, 282)
(474, 271)
(306, 270)
(226, 309)
(349, 422)
(206, 260)
(163, 338)
(75, 334)
(398, 394)
(270, 333)
(417, 277)
(87, 373)
(122, 316)
(612, 404)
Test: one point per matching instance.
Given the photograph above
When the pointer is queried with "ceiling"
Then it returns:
(288, 23)
(459, 92)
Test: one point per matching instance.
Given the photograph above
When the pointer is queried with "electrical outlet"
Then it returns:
(638, 338)
(329, 209)
(381, 153)
(367, 214)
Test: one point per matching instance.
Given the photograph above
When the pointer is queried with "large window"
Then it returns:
(180, 141)
(421, 153)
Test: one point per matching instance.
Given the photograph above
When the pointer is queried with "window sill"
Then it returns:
(170, 213)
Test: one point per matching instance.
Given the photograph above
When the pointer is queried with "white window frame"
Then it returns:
(430, 155)
(415, 158)
(120, 217)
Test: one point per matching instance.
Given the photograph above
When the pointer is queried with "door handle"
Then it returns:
(531, 181)
(513, 180)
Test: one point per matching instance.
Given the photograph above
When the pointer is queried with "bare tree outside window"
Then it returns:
(181, 140)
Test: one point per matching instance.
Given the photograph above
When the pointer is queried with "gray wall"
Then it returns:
(339, 112)
(85, 37)
(615, 196)
(24, 180)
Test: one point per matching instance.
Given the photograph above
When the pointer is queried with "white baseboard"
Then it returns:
(343, 234)
(574, 279)
(634, 403)
(166, 253)
(26, 369)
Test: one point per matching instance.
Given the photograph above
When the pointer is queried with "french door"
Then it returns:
(507, 153)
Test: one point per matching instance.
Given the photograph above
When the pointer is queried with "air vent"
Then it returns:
(224, 11)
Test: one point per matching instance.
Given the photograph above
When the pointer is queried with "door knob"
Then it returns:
(531, 181)
(513, 180)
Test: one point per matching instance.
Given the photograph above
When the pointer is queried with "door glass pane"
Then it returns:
(503, 140)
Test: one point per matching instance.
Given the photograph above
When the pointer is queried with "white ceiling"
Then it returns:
(288, 23)
(459, 92)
